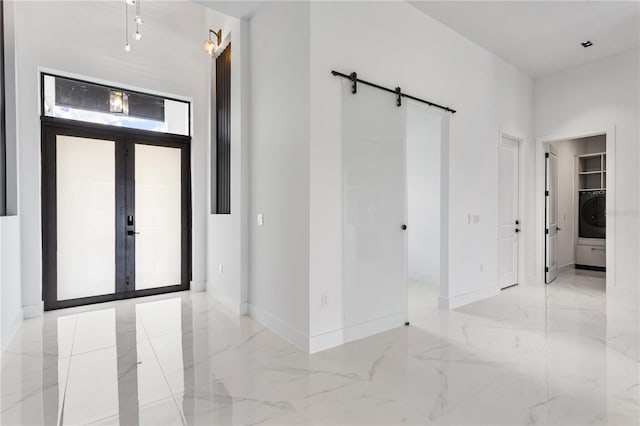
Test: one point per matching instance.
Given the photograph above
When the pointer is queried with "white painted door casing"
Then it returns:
(551, 214)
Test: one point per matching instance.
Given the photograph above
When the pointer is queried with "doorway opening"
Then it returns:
(395, 201)
(116, 198)
(424, 140)
(575, 210)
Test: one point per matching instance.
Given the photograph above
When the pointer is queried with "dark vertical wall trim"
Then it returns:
(49, 217)
(223, 132)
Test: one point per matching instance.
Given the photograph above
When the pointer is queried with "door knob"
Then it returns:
(404, 227)
(517, 230)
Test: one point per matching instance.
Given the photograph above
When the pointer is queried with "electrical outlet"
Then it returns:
(473, 218)
(324, 299)
(221, 269)
(260, 219)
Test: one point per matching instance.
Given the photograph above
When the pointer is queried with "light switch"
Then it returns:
(260, 219)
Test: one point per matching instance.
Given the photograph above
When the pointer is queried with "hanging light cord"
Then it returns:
(138, 16)
(126, 25)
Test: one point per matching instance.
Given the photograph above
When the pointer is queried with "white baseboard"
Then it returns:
(198, 286)
(9, 330)
(275, 324)
(33, 311)
(464, 299)
(236, 307)
(375, 326)
(325, 341)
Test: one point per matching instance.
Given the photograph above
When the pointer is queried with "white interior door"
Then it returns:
(374, 202)
(551, 208)
(508, 213)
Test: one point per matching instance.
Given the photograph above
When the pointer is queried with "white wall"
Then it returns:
(393, 44)
(10, 288)
(280, 168)
(85, 38)
(595, 97)
(228, 234)
(10, 292)
(567, 192)
(423, 194)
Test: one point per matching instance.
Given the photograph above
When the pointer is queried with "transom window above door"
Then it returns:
(79, 100)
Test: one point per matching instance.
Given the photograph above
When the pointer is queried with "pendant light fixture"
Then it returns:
(138, 20)
(118, 102)
(127, 46)
(210, 46)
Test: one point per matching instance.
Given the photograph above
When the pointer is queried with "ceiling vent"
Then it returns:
(586, 44)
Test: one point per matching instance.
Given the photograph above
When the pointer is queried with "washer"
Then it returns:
(593, 216)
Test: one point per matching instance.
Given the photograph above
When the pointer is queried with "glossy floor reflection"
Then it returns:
(563, 354)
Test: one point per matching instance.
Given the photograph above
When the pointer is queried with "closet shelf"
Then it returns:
(591, 172)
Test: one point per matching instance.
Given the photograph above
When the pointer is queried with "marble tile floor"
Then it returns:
(562, 354)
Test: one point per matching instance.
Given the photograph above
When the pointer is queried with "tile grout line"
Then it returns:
(66, 382)
(153, 349)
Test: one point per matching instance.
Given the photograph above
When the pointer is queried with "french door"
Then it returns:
(116, 213)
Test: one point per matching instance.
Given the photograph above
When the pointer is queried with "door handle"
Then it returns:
(132, 233)
(404, 227)
(517, 230)
(558, 228)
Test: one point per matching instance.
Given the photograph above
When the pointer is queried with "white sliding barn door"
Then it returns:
(375, 203)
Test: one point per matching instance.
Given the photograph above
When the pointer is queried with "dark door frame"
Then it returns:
(125, 140)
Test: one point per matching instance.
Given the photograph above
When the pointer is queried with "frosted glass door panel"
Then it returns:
(374, 202)
(158, 173)
(85, 210)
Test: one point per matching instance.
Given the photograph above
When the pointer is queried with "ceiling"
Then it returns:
(237, 8)
(542, 37)
(538, 37)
